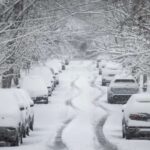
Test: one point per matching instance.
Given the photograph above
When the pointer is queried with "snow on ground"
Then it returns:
(76, 114)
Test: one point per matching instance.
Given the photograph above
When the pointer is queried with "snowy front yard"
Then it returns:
(78, 117)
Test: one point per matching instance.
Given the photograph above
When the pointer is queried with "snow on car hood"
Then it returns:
(9, 120)
(9, 109)
(138, 107)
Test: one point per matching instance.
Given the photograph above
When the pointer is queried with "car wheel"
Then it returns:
(18, 140)
(24, 132)
(103, 83)
(110, 100)
(46, 101)
(27, 131)
(127, 134)
(123, 131)
(31, 124)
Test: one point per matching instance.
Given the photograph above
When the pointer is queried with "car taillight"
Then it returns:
(141, 116)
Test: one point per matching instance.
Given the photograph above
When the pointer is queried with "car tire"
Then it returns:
(103, 83)
(18, 140)
(46, 101)
(110, 100)
(127, 135)
(123, 131)
(31, 124)
(27, 131)
(24, 133)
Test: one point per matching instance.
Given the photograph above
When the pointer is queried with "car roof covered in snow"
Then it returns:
(43, 72)
(124, 76)
(113, 65)
(141, 97)
(54, 64)
(8, 102)
(34, 85)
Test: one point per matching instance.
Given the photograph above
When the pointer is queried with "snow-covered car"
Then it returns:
(56, 79)
(45, 73)
(121, 88)
(36, 88)
(54, 64)
(136, 116)
(29, 104)
(109, 72)
(24, 113)
(11, 125)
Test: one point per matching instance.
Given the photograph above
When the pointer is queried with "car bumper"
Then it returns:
(139, 130)
(40, 99)
(120, 99)
(106, 82)
(8, 134)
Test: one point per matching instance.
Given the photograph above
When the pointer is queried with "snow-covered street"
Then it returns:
(78, 117)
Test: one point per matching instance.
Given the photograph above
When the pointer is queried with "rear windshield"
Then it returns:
(124, 81)
(143, 101)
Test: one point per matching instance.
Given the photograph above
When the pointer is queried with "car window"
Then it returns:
(124, 81)
(143, 101)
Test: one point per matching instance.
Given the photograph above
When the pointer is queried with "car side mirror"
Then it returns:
(22, 108)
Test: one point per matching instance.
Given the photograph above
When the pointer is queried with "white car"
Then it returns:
(11, 125)
(29, 105)
(54, 64)
(109, 71)
(24, 113)
(136, 116)
(36, 88)
(45, 73)
(121, 88)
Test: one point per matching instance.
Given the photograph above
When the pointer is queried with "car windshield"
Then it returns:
(124, 81)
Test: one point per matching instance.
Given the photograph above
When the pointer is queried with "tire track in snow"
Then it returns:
(58, 143)
(105, 143)
(70, 101)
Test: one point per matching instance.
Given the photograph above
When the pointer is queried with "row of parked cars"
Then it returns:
(123, 88)
(42, 80)
(17, 104)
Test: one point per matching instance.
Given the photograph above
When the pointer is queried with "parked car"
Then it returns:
(29, 105)
(36, 88)
(24, 113)
(11, 125)
(56, 79)
(46, 74)
(109, 72)
(55, 65)
(136, 116)
(121, 88)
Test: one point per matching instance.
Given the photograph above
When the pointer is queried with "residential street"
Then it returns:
(78, 117)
